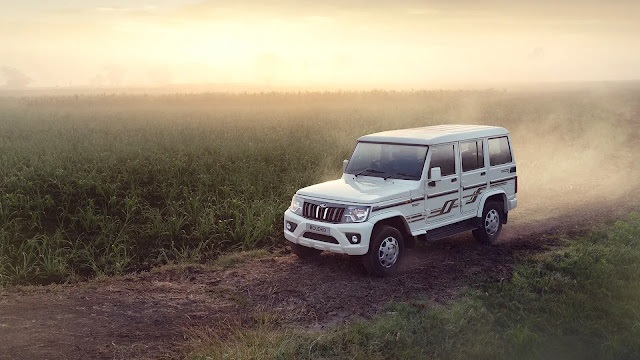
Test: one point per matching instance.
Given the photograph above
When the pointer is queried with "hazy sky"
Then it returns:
(314, 43)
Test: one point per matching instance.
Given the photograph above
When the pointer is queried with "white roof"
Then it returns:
(430, 135)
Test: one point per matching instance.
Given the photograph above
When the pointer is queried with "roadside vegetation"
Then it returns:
(581, 302)
(101, 185)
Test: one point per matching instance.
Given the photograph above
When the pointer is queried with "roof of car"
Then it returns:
(430, 135)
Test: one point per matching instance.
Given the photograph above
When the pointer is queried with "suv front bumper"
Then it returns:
(337, 231)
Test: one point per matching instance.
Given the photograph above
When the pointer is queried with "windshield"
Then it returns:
(388, 160)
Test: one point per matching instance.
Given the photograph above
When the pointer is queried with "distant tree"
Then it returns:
(14, 78)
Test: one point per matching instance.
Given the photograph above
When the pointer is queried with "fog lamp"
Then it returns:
(290, 226)
(353, 238)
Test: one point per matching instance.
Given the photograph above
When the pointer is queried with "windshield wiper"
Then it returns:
(401, 174)
(368, 170)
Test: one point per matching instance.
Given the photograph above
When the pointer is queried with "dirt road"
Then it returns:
(151, 315)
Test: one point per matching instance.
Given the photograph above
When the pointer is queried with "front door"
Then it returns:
(474, 174)
(443, 197)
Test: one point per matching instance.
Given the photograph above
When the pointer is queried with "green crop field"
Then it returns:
(93, 185)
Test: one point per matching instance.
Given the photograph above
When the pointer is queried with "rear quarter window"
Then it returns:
(472, 155)
(499, 151)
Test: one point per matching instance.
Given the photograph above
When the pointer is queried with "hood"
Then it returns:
(358, 191)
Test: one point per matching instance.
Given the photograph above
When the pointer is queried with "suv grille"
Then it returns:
(326, 213)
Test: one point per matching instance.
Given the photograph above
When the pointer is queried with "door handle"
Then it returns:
(483, 173)
(454, 179)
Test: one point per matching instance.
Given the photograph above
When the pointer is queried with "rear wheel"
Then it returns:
(385, 251)
(304, 252)
(491, 226)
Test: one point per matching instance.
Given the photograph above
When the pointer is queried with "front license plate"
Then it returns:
(318, 228)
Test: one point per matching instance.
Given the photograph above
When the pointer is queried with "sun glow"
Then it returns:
(305, 44)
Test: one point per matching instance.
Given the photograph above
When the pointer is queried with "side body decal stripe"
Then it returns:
(501, 180)
(445, 209)
(442, 194)
(474, 196)
(474, 186)
(377, 208)
(391, 205)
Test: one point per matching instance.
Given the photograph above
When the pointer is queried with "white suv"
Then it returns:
(424, 183)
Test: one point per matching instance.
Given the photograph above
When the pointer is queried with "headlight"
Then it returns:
(296, 205)
(356, 214)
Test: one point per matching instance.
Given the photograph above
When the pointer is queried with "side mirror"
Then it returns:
(345, 162)
(436, 175)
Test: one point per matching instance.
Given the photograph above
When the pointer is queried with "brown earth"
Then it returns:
(153, 315)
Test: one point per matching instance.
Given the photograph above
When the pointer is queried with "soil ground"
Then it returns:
(153, 315)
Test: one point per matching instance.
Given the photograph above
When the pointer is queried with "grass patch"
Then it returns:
(224, 261)
(581, 302)
(233, 259)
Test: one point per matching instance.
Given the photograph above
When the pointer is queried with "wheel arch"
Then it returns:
(496, 195)
(398, 221)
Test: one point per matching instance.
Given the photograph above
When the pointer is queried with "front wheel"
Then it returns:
(491, 225)
(385, 251)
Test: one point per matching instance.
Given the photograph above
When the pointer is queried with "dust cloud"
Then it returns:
(576, 156)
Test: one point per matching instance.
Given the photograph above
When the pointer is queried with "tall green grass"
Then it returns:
(582, 302)
(108, 184)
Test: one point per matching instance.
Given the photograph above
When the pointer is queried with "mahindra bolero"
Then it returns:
(405, 185)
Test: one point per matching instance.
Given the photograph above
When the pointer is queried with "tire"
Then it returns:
(304, 252)
(385, 251)
(491, 223)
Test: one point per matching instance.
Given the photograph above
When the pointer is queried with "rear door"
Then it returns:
(474, 174)
(443, 197)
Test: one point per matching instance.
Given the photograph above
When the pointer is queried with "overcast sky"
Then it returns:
(316, 43)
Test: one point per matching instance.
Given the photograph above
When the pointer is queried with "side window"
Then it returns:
(499, 151)
(472, 155)
(443, 156)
